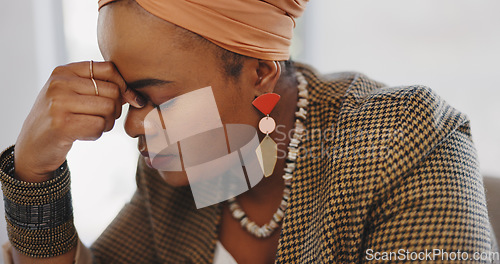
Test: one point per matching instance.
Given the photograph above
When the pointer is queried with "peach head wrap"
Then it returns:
(261, 29)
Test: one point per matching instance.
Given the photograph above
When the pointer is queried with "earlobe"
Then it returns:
(268, 73)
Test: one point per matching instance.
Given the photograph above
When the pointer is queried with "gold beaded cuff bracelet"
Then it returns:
(39, 215)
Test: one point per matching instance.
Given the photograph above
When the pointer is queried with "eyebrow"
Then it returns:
(135, 85)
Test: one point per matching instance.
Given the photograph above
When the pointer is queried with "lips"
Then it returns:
(159, 161)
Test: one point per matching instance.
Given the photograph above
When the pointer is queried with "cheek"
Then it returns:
(235, 105)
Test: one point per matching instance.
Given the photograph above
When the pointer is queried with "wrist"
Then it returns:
(24, 173)
(39, 215)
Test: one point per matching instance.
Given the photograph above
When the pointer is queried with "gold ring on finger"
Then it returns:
(92, 77)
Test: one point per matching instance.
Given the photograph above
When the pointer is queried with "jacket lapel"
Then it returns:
(182, 233)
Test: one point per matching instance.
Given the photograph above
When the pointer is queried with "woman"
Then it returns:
(366, 169)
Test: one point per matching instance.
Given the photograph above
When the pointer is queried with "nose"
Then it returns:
(134, 123)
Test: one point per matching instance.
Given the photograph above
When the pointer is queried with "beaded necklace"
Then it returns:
(293, 149)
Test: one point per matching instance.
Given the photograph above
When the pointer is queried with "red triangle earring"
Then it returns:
(266, 102)
(267, 151)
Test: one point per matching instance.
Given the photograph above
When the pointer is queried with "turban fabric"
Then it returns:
(261, 29)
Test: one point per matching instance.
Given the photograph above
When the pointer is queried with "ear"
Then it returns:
(268, 73)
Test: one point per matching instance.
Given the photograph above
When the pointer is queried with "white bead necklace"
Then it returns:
(293, 149)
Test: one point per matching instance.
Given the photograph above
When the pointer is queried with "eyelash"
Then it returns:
(145, 97)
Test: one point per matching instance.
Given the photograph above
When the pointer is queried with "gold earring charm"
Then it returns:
(267, 151)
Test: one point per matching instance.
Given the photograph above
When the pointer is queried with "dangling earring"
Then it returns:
(267, 151)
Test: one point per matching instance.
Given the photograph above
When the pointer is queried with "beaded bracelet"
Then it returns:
(39, 215)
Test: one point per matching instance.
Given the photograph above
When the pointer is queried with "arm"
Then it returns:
(39, 216)
(70, 107)
(69, 257)
(439, 206)
(82, 254)
(128, 239)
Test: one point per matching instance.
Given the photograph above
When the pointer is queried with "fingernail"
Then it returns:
(140, 101)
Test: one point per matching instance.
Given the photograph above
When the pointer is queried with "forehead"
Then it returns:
(137, 41)
(124, 24)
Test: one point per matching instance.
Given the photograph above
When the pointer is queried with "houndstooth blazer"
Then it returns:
(394, 168)
(381, 170)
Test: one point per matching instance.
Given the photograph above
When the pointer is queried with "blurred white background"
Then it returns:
(452, 46)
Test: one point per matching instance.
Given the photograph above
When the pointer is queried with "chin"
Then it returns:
(175, 178)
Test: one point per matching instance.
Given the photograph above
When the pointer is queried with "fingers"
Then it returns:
(106, 90)
(67, 109)
(62, 86)
(85, 127)
(107, 72)
(86, 87)
(96, 106)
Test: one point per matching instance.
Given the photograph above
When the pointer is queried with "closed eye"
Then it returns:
(168, 104)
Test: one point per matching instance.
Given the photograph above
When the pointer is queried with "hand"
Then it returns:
(67, 109)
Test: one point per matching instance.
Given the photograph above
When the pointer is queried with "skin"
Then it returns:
(132, 41)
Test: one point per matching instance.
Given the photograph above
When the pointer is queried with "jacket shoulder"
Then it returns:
(356, 106)
(410, 121)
